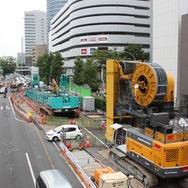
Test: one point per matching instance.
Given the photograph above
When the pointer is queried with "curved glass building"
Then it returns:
(53, 7)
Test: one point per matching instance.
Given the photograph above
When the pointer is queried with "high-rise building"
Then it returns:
(80, 27)
(20, 59)
(53, 7)
(38, 51)
(166, 35)
(35, 32)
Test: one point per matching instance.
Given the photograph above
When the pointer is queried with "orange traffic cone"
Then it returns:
(80, 146)
(69, 145)
(87, 143)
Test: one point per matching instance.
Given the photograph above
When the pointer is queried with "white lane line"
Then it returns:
(84, 186)
(31, 169)
(55, 146)
(15, 113)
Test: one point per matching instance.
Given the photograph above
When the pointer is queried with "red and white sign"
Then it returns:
(92, 39)
(102, 38)
(84, 51)
(83, 40)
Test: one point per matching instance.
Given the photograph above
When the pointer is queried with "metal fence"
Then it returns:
(93, 130)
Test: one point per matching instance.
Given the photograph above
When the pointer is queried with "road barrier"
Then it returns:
(28, 116)
(25, 116)
(74, 164)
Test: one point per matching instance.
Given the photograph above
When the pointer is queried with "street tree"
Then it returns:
(49, 60)
(90, 75)
(100, 56)
(56, 68)
(134, 51)
(78, 77)
(7, 64)
(44, 63)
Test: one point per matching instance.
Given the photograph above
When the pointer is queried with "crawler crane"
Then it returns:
(140, 121)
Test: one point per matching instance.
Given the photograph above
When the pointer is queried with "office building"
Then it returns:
(38, 51)
(35, 32)
(166, 34)
(80, 27)
(20, 59)
(183, 63)
(53, 7)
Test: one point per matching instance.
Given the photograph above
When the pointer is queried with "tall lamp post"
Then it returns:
(131, 55)
(102, 66)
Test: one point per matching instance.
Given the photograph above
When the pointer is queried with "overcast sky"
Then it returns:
(12, 23)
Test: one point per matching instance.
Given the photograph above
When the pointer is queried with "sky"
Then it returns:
(12, 23)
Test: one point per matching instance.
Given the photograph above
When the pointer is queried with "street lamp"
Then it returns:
(102, 66)
(131, 55)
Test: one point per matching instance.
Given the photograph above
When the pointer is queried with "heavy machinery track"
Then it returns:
(129, 167)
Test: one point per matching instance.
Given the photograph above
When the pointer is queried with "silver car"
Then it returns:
(52, 178)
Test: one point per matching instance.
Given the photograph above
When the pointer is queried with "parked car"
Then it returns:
(52, 178)
(2, 90)
(72, 132)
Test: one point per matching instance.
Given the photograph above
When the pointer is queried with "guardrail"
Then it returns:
(74, 163)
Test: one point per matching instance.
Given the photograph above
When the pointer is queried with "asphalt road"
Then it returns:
(24, 152)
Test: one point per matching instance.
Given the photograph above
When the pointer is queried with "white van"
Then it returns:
(52, 178)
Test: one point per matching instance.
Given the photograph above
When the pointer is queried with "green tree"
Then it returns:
(90, 74)
(134, 51)
(8, 64)
(43, 63)
(56, 68)
(78, 71)
(49, 60)
(100, 56)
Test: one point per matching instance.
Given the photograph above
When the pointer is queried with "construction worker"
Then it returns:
(63, 135)
(5, 92)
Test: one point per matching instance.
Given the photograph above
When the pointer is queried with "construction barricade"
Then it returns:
(75, 165)
(24, 115)
(87, 141)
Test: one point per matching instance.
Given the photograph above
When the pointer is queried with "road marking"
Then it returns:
(6, 107)
(55, 146)
(31, 169)
(15, 113)
(47, 154)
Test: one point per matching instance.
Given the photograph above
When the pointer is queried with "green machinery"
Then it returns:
(58, 99)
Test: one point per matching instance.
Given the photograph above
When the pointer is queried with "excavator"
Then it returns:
(149, 136)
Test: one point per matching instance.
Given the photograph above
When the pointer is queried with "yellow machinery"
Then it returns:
(140, 122)
(55, 86)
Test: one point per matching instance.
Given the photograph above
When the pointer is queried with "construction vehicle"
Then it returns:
(56, 101)
(150, 140)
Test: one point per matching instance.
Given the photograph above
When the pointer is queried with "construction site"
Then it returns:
(138, 141)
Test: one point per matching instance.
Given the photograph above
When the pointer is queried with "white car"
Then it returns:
(2, 90)
(72, 132)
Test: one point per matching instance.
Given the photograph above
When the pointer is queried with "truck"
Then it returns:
(58, 100)
(149, 136)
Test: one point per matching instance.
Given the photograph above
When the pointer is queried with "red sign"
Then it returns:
(83, 51)
(170, 137)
